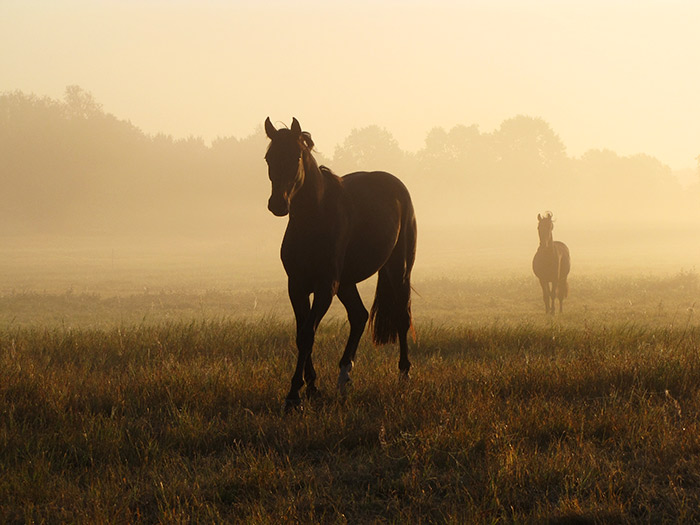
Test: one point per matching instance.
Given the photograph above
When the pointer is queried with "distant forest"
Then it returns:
(68, 167)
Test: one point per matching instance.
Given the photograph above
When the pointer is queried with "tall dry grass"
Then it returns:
(507, 418)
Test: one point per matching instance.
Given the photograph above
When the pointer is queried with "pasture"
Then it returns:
(139, 389)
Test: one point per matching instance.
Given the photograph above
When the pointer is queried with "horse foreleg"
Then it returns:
(357, 316)
(310, 377)
(545, 294)
(302, 308)
(553, 297)
(305, 341)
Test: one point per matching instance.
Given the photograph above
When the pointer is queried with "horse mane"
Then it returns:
(329, 174)
(308, 141)
(325, 169)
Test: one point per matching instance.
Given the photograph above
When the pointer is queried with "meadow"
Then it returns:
(134, 391)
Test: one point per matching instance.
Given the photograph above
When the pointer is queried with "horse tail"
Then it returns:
(391, 311)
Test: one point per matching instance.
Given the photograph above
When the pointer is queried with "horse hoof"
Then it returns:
(404, 376)
(312, 392)
(344, 386)
(293, 406)
(344, 379)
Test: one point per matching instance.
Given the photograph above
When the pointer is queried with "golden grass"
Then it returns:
(515, 417)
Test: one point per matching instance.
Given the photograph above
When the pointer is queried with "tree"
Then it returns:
(370, 148)
(529, 141)
(80, 103)
(460, 142)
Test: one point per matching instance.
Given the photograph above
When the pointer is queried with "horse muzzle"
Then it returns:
(278, 206)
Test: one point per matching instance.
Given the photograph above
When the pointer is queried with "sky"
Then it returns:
(622, 75)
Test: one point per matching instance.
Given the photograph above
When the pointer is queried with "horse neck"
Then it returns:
(307, 200)
(548, 243)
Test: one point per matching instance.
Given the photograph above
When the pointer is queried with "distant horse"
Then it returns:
(551, 264)
(341, 231)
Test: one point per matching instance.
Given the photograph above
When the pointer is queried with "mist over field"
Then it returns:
(88, 192)
(132, 131)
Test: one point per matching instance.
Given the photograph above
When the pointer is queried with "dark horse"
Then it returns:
(341, 231)
(551, 264)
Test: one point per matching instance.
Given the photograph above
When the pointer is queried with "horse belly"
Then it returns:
(366, 254)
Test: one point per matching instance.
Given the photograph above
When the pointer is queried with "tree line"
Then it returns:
(69, 167)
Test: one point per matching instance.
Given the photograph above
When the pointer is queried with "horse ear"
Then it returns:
(296, 128)
(269, 128)
(539, 217)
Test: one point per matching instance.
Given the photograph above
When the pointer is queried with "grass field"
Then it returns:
(163, 404)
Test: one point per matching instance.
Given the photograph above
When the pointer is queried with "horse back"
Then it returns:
(378, 187)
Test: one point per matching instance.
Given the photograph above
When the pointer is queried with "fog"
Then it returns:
(131, 133)
(82, 185)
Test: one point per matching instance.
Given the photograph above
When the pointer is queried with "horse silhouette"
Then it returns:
(341, 230)
(551, 264)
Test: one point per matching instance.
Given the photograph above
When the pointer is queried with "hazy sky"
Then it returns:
(624, 75)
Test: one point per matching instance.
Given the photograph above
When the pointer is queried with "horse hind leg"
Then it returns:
(391, 311)
(357, 316)
(553, 298)
(562, 293)
(404, 324)
(390, 316)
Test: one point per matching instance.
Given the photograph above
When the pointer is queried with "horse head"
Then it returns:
(285, 161)
(545, 225)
